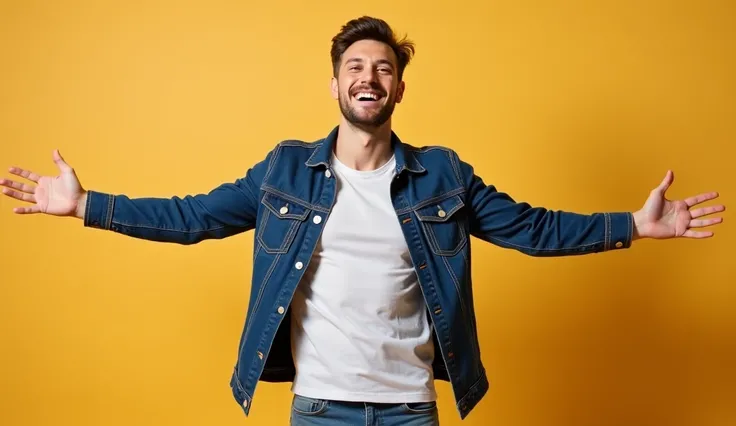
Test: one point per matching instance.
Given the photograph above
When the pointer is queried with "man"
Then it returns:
(361, 288)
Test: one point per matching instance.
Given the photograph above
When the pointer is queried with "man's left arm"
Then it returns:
(537, 231)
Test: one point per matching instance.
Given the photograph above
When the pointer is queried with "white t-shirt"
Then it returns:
(360, 330)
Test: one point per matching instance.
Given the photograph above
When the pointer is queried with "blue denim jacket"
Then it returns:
(439, 202)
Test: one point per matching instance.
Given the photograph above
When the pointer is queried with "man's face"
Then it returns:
(367, 85)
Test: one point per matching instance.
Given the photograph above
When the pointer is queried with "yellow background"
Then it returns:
(573, 105)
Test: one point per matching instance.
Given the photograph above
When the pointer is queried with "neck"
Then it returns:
(363, 148)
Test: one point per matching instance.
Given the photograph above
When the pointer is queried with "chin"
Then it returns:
(366, 117)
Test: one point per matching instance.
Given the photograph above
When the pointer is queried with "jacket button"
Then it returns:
(284, 210)
(299, 265)
(619, 244)
(245, 403)
(281, 309)
(441, 213)
(328, 174)
(317, 219)
(260, 355)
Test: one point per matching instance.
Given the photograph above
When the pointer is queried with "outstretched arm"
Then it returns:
(226, 210)
(537, 231)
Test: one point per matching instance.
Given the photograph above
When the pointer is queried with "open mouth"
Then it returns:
(367, 97)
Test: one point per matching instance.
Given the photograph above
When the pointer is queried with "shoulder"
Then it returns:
(429, 151)
(298, 146)
(433, 153)
(437, 158)
(441, 163)
(292, 151)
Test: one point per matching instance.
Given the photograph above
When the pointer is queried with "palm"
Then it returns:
(56, 195)
(662, 218)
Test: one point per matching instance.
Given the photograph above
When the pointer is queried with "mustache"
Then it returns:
(378, 90)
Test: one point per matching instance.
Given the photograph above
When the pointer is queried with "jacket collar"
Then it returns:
(405, 158)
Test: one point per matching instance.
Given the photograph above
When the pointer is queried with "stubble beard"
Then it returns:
(375, 120)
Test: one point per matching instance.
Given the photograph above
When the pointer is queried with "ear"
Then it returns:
(400, 91)
(334, 88)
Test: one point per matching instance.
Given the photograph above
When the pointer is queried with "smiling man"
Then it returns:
(374, 98)
(361, 291)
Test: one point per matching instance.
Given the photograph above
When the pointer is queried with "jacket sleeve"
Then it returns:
(226, 210)
(497, 218)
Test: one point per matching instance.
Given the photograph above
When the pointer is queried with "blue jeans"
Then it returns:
(319, 412)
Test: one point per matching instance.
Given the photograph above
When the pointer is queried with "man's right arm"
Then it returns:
(228, 209)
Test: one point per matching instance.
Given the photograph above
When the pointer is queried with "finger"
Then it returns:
(27, 210)
(701, 198)
(697, 234)
(16, 185)
(19, 195)
(669, 177)
(699, 223)
(24, 173)
(703, 211)
(60, 163)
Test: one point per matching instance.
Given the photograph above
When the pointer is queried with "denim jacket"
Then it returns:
(439, 201)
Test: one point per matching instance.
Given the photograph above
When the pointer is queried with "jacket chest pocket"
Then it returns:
(280, 223)
(443, 225)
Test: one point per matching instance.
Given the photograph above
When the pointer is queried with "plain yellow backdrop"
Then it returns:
(573, 105)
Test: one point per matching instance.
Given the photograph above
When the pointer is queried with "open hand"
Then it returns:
(662, 218)
(59, 195)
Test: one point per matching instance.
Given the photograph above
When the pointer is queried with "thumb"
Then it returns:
(669, 177)
(60, 163)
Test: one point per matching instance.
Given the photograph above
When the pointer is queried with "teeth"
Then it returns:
(367, 95)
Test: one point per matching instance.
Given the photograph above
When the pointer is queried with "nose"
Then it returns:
(368, 75)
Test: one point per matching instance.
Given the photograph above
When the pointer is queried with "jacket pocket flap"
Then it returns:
(283, 208)
(441, 210)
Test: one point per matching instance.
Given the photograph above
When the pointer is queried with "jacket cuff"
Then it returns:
(619, 230)
(98, 212)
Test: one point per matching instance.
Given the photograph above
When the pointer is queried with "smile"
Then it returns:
(367, 96)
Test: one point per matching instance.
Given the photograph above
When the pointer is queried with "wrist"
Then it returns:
(639, 220)
(81, 206)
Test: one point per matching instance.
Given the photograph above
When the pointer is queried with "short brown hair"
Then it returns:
(369, 28)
